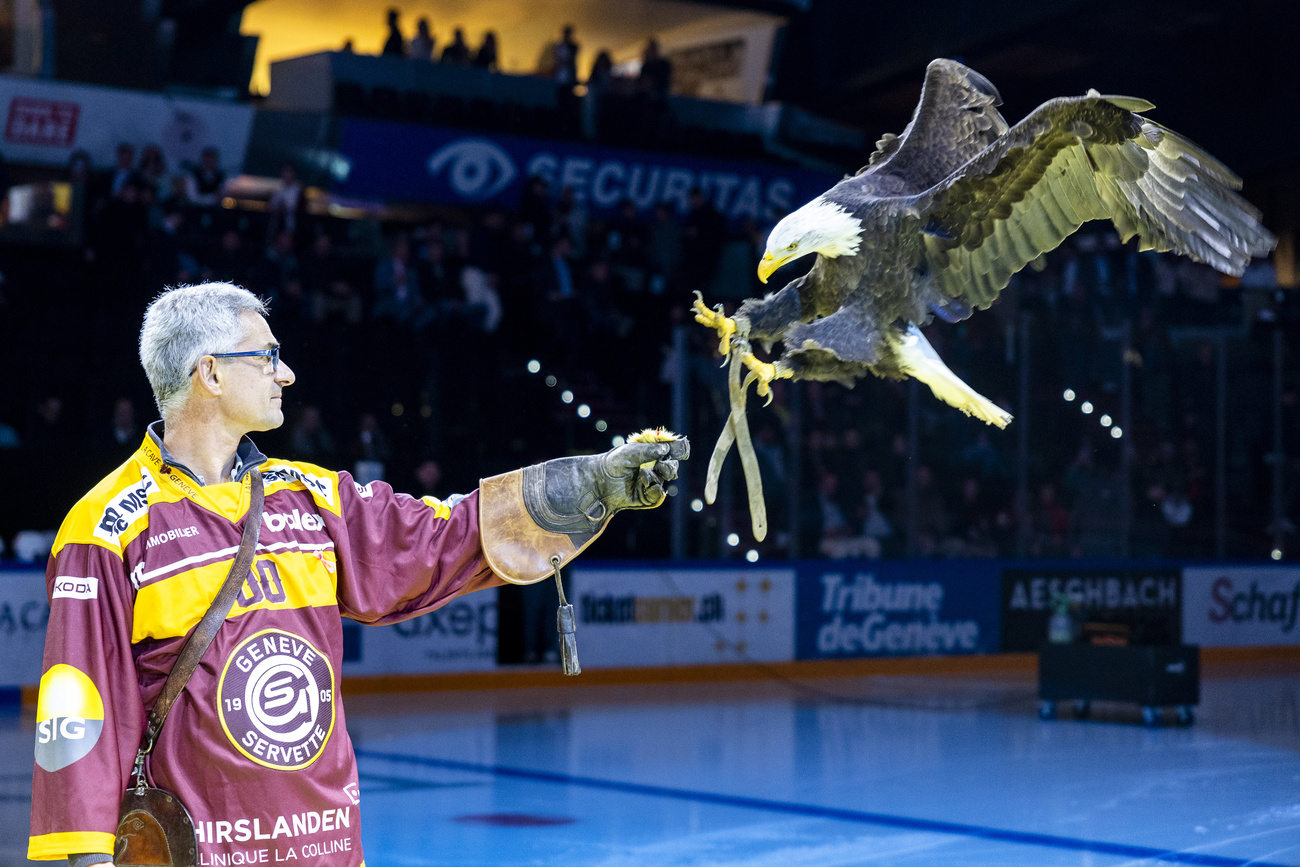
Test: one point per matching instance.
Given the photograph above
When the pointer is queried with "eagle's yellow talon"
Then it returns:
(763, 373)
(716, 319)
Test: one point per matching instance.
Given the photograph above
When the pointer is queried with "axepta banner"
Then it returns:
(1236, 606)
(1148, 602)
(24, 612)
(405, 162)
(460, 636)
(895, 608)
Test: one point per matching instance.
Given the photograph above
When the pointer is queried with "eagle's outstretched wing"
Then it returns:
(1074, 160)
(955, 120)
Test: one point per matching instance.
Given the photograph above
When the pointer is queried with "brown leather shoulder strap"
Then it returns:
(207, 628)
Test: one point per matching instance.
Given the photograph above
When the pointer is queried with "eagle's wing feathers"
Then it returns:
(956, 118)
(1080, 159)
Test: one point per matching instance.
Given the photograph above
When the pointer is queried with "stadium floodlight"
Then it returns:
(697, 505)
(1086, 406)
(733, 539)
(1069, 394)
(583, 410)
(1105, 421)
(534, 366)
(751, 555)
(566, 396)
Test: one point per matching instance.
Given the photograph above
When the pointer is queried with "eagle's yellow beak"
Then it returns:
(769, 264)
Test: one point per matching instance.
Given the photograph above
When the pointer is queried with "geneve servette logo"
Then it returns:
(476, 168)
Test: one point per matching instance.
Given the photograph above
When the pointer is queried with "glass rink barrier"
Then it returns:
(816, 712)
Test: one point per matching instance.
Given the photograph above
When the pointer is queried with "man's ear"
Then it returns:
(206, 378)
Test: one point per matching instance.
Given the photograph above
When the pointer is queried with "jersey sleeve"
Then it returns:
(89, 716)
(399, 557)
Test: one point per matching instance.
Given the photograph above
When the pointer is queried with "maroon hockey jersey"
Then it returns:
(256, 745)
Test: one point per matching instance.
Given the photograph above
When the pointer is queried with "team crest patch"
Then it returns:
(276, 700)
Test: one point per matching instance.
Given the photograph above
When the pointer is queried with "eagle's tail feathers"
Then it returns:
(917, 358)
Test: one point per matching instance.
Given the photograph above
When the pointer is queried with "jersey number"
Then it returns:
(266, 585)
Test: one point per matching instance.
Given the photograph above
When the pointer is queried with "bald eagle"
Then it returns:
(941, 217)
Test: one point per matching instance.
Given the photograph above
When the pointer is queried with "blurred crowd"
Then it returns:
(430, 353)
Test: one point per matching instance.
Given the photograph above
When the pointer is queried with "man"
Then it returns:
(256, 746)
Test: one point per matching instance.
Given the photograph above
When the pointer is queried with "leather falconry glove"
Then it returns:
(556, 509)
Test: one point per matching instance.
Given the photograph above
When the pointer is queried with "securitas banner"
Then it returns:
(1241, 606)
(895, 608)
(405, 162)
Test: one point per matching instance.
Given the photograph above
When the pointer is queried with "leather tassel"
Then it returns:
(566, 625)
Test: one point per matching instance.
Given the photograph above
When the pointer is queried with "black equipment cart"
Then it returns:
(1152, 676)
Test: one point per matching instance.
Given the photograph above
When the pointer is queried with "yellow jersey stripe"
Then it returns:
(54, 847)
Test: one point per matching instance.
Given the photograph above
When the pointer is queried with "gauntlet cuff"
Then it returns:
(521, 532)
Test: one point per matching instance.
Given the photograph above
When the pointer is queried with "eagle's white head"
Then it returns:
(821, 226)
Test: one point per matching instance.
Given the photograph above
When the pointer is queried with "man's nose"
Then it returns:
(284, 374)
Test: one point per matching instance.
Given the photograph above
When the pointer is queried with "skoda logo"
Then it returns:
(476, 168)
(276, 700)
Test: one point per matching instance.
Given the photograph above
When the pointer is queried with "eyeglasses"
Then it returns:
(271, 355)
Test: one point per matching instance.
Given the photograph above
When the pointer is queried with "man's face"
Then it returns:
(250, 395)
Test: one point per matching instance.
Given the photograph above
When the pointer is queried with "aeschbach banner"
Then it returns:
(1236, 606)
(1147, 601)
(861, 608)
(405, 162)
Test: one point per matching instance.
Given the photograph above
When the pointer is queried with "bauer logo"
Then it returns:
(276, 700)
(125, 508)
(475, 168)
(68, 587)
(69, 717)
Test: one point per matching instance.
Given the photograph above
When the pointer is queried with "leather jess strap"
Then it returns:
(206, 630)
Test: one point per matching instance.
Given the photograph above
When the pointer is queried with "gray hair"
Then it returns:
(182, 325)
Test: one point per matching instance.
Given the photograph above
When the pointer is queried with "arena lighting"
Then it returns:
(697, 505)
(751, 555)
(1116, 432)
(601, 425)
(733, 539)
(566, 396)
(534, 366)
(1105, 421)
(1069, 394)
(1276, 554)
(617, 441)
(583, 410)
(1086, 406)
(672, 490)
(550, 381)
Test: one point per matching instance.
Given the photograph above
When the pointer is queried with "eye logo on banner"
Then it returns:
(69, 717)
(276, 700)
(476, 168)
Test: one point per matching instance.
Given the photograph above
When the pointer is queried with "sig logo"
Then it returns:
(69, 717)
(276, 700)
(476, 168)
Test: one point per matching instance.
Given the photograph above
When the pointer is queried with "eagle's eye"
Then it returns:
(793, 244)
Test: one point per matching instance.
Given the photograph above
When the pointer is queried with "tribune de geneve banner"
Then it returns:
(405, 162)
(857, 608)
